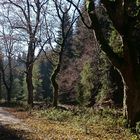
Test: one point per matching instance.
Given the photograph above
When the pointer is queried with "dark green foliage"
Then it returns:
(18, 93)
(46, 71)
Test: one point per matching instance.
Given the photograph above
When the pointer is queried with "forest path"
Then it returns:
(12, 127)
(7, 118)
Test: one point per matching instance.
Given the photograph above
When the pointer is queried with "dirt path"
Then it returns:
(12, 128)
(7, 118)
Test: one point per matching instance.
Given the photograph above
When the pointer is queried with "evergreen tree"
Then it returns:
(86, 46)
(46, 71)
(18, 94)
(86, 83)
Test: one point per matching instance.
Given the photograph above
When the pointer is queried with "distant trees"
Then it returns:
(9, 42)
(29, 19)
(46, 69)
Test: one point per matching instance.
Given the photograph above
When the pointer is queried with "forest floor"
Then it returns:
(58, 124)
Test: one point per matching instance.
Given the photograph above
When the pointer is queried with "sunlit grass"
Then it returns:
(77, 124)
(80, 124)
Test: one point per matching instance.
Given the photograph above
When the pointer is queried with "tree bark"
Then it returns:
(29, 74)
(9, 90)
(0, 85)
(9, 95)
(30, 86)
(131, 79)
(131, 96)
(9, 84)
(55, 85)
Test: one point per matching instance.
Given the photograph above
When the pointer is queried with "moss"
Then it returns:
(116, 43)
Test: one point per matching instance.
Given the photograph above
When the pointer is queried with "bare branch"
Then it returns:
(79, 12)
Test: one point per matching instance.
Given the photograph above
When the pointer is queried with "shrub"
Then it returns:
(56, 115)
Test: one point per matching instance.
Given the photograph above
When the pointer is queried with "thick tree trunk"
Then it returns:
(131, 95)
(131, 77)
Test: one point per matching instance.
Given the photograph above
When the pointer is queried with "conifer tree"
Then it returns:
(86, 82)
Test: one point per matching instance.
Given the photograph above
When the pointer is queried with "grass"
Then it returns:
(79, 124)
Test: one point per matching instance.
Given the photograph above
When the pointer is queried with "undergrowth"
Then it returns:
(55, 114)
(105, 123)
(81, 123)
(84, 115)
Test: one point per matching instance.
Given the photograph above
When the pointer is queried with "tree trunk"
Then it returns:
(0, 85)
(8, 95)
(8, 86)
(9, 90)
(54, 76)
(29, 73)
(131, 80)
(30, 87)
(55, 85)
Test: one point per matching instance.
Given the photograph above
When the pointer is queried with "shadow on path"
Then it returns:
(8, 134)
